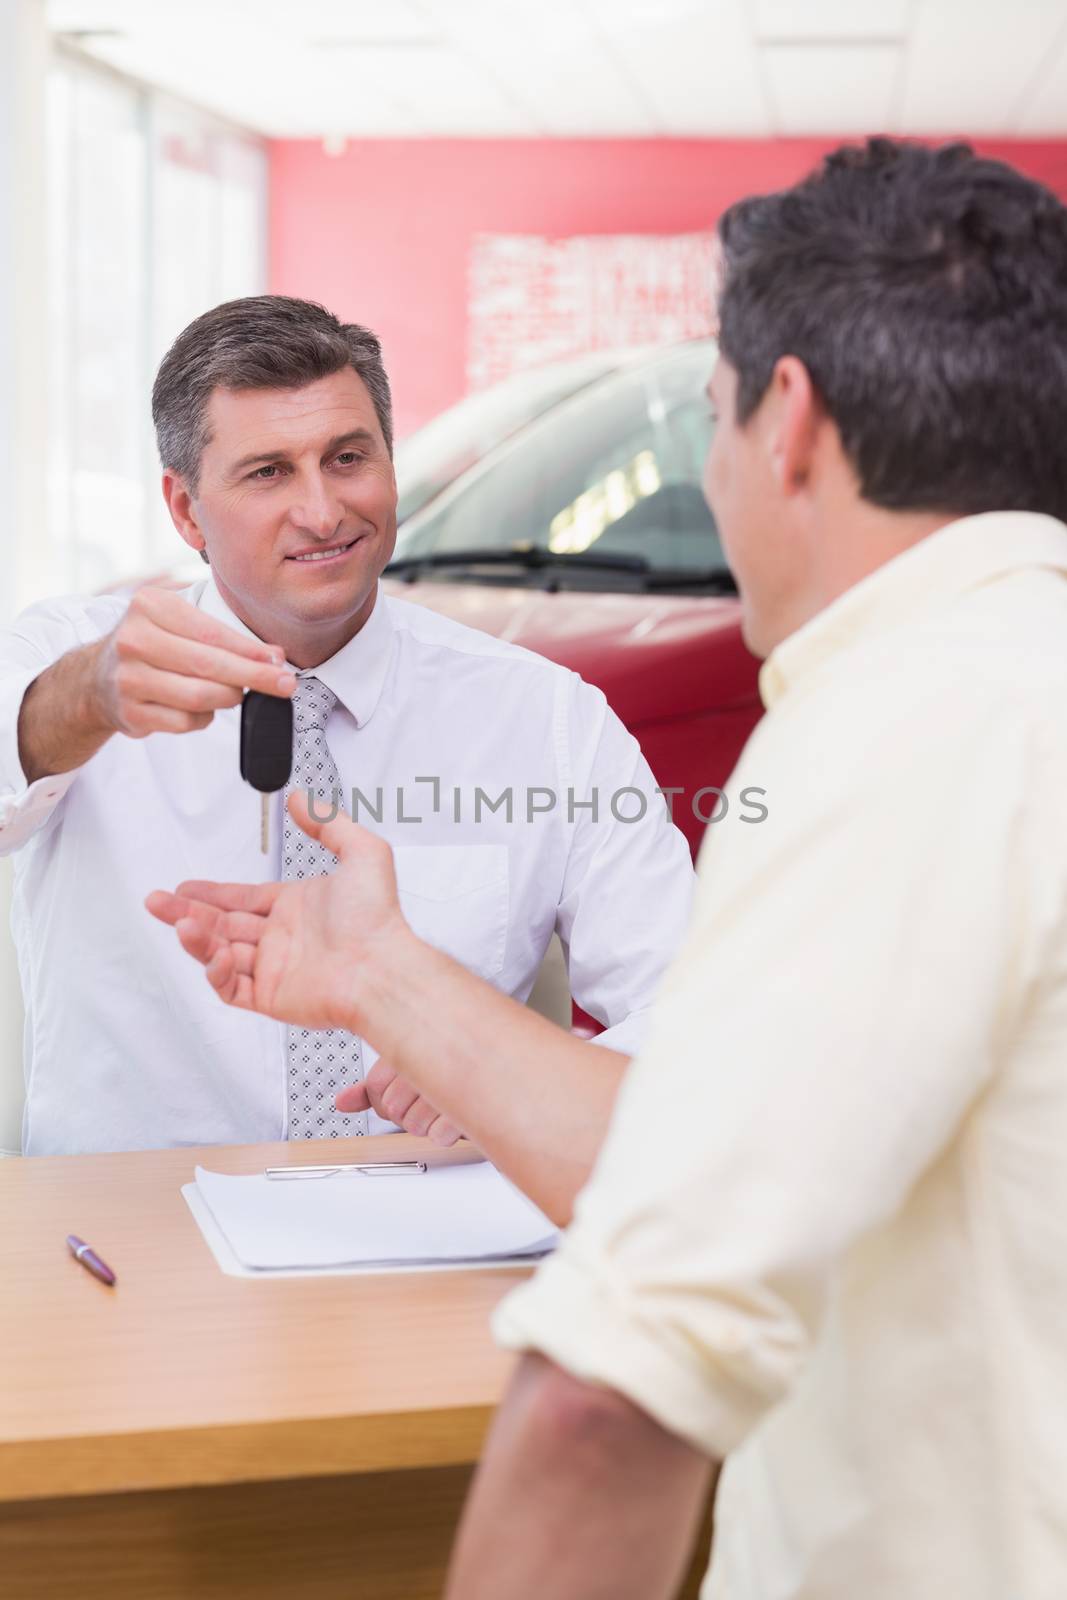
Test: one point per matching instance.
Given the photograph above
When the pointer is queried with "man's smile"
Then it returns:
(333, 552)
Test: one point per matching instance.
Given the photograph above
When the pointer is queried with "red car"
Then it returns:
(562, 511)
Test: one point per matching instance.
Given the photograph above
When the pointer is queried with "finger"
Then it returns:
(181, 693)
(353, 1097)
(204, 942)
(144, 718)
(175, 615)
(420, 1117)
(230, 925)
(230, 974)
(257, 898)
(395, 1100)
(171, 908)
(443, 1132)
(390, 1095)
(223, 976)
(190, 658)
(167, 907)
(203, 935)
(199, 941)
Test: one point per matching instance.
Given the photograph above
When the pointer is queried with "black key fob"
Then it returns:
(266, 741)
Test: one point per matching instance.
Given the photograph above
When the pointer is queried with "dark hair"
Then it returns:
(925, 290)
(267, 341)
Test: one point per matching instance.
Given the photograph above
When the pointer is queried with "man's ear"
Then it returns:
(796, 412)
(182, 510)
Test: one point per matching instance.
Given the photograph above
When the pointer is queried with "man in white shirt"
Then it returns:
(825, 1237)
(119, 771)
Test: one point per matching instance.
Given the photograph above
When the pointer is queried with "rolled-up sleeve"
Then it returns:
(24, 807)
(31, 644)
(816, 1045)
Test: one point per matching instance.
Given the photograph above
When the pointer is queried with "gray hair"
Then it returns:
(267, 341)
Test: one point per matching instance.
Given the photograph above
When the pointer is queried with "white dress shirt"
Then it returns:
(126, 1044)
(845, 1267)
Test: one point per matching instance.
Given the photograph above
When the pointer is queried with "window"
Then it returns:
(155, 212)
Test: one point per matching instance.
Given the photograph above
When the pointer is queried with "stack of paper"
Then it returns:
(354, 1219)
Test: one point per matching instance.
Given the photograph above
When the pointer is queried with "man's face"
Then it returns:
(296, 507)
(744, 494)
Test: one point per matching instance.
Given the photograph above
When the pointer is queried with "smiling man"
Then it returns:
(275, 434)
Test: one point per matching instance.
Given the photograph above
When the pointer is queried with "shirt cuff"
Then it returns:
(23, 806)
(589, 1327)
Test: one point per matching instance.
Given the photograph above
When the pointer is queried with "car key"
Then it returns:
(266, 748)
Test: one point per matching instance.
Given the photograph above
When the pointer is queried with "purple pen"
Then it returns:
(89, 1259)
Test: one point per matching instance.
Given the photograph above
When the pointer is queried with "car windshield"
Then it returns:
(434, 456)
(609, 476)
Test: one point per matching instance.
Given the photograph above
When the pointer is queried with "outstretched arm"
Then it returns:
(335, 951)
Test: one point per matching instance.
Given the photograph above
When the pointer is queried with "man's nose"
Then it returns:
(315, 508)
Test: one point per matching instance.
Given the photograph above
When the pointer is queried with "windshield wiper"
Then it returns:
(529, 557)
(720, 580)
(534, 558)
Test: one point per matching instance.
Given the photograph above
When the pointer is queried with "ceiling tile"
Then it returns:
(831, 19)
(240, 81)
(553, 62)
(361, 19)
(698, 72)
(831, 88)
(970, 66)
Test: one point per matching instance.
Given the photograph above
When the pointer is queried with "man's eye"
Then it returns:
(347, 458)
(265, 474)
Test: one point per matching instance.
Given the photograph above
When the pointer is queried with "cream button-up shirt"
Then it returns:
(827, 1235)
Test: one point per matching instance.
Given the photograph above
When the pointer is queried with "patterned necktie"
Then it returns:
(319, 1063)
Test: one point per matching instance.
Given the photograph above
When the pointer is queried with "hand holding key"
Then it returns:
(168, 667)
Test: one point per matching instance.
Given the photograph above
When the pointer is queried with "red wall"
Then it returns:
(380, 234)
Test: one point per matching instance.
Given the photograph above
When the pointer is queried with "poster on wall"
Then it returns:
(533, 300)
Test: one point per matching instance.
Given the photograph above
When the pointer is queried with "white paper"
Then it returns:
(448, 1214)
(228, 1263)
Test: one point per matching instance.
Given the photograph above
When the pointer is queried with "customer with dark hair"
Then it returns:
(274, 424)
(826, 1236)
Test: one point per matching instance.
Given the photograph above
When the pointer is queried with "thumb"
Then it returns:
(353, 1098)
(347, 839)
(339, 835)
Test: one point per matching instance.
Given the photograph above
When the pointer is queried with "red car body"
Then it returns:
(673, 668)
(586, 477)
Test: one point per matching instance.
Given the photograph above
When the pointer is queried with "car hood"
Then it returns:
(654, 656)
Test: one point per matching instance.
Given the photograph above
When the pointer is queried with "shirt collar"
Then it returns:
(355, 673)
(961, 556)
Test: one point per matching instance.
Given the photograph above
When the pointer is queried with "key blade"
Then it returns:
(264, 822)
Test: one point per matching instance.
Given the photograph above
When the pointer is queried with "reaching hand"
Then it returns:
(294, 951)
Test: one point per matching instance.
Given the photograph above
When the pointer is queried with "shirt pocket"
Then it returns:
(456, 898)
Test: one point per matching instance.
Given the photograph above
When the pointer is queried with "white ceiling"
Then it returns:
(595, 68)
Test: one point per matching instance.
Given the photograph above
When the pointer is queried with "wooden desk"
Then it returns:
(187, 1434)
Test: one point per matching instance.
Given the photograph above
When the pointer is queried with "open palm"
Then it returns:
(293, 951)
